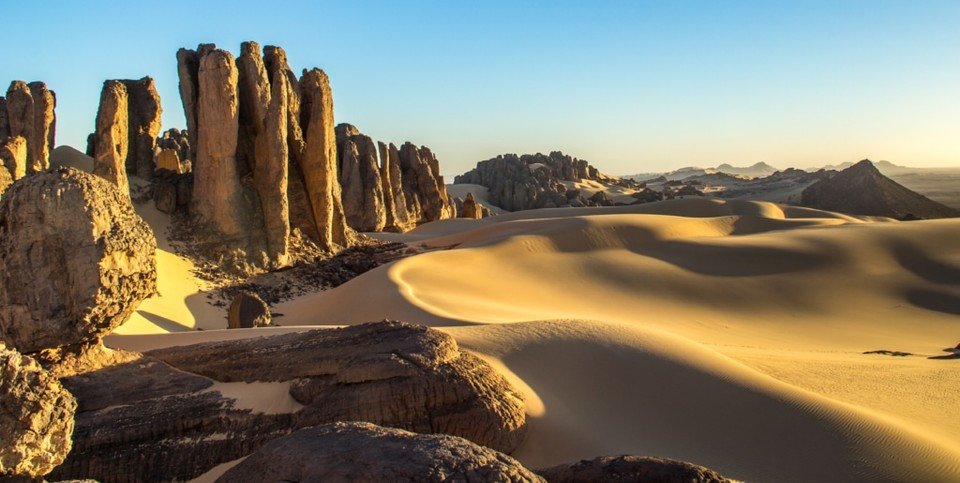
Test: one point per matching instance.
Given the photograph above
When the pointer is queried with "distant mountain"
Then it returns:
(758, 170)
(862, 189)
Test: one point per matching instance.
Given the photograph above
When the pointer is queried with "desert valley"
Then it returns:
(268, 293)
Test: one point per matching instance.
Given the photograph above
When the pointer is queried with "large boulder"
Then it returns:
(357, 451)
(36, 417)
(469, 208)
(170, 414)
(75, 260)
(624, 469)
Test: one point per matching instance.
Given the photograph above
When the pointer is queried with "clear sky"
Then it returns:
(632, 86)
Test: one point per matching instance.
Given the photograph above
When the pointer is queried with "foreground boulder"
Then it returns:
(365, 452)
(36, 417)
(75, 260)
(617, 469)
(248, 310)
(169, 416)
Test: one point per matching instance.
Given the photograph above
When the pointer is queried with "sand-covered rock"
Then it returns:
(36, 417)
(624, 469)
(112, 135)
(353, 451)
(75, 260)
(177, 412)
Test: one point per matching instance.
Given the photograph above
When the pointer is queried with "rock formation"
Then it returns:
(176, 140)
(246, 311)
(363, 193)
(149, 420)
(862, 190)
(36, 418)
(365, 452)
(469, 208)
(422, 184)
(624, 469)
(530, 181)
(395, 202)
(5, 179)
(112, 138)
(169, 159)
(143, 116)
(318, 166)
(28, 111)
(218, 194)
(13, 156)
(188, 71)
(75, 260)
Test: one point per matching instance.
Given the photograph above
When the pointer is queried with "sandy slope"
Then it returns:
(725, 333)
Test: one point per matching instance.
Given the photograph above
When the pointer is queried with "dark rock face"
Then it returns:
(862, 190)
(617, 469)
(36, 418)
(75, 260)
(248, 310)
(365, 452)
(529, 181)
(177, 141)
(143, 116)
(161, 417)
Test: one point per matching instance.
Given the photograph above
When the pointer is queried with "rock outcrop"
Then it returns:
(318, 164)
(531, 181)
(36, 418)
(112, 136)
(246, 311)
(163, 417)
(75, 260)
(469, 208)
(862, 190)
(13, 158)
(365, 452)
(29, 111)
(143, 117)
(422, 183)
(624, 469)
(363, 193)
(176, 140)
(275, 165)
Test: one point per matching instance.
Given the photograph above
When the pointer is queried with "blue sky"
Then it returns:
(630, 86)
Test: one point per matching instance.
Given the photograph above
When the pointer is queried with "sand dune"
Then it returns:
(728, 333)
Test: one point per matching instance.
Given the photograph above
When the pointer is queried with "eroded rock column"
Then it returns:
(112, 135)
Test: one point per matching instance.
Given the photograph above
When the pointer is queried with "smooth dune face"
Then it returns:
(729, 334)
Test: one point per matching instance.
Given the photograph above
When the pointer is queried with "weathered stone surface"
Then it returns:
(355, 451)
(352, 374)
(420, 183)
(13, 156)
(5, 179)
(270, 171)
(318, 164)
(75, 260)
(112, 135)
(4, 119)
(469, 208)
(532, 180)
(178, 141)
(394, 203)
(623, 469)
(363, 195)
(169, 159)
(248, 310)
(20, 113)
(254, 91)
(188, 71)
(143, 116)
(150, 420)
(42, 135)
(444, 207)
(218, 193)
(36, 417)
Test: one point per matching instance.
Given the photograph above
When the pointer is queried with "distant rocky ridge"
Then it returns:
(757, 170)
(28, 124)
(534, 180)
(863, 190)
